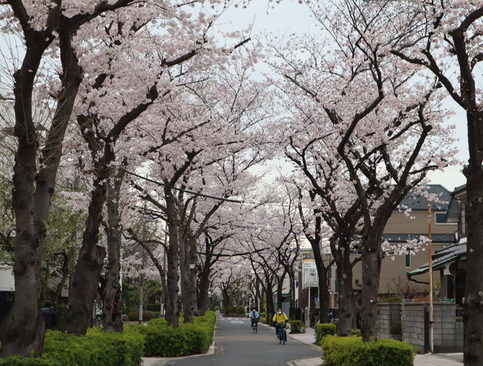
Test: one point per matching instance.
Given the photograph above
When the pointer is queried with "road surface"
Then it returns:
(236, 345)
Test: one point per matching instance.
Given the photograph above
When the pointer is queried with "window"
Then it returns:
(407, 258)
(440, 217)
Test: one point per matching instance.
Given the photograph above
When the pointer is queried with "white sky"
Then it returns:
(291, 17)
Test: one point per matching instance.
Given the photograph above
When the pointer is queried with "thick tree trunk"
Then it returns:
(279, 290)
(172, 277)
(22, 332)
(89, 266)
(347, 308)
(184, 269)
(193, 274)
(270, 304)
(473, 304)
(203, 291)
(323, 284)
(112, 312)
(371, 269)
(84, 288)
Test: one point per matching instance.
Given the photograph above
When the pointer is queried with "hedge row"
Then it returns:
(322, 330)
(122, 349)
(96, 348)
(188, 339)
(349, 351)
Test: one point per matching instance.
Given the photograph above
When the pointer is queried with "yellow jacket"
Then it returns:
(280, 318)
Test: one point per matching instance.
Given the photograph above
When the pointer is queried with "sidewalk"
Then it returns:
(429, 359)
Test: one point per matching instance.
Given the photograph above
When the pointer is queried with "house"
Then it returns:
(449, 263)
(413, 225)
(400, 228)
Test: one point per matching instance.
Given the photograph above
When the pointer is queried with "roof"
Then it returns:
(417, 202)
(441, 257)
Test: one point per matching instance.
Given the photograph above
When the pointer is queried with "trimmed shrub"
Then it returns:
(349, 351)
(296, 326)
(187, 339)
(324, 329)
(240, 310)
(356, 333)
(96, 348)
(230, 309)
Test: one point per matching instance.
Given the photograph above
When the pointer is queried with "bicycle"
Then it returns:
(255, 325)
(282, 334)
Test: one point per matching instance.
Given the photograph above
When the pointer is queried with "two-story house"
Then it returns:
(449, 263)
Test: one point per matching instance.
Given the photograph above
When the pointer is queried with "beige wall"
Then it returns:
(394, 271)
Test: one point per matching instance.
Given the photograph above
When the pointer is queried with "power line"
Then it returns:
(183, 190)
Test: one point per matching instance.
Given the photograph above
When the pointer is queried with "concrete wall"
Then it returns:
(448, 334)
(413, 321)
(388, 314)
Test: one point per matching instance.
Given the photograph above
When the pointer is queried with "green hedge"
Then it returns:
(187, 339)
(96, 348)
(324, 329)
(349, 351)
(296, 326)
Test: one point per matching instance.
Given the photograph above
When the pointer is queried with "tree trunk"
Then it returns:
(89, 266)
(280, 289)
(22, 332)
(371, 269)
(65, 275)
(270, 305)
(112, 312)
(323, 285)
(473, 304)
(347, 308)
(84, 289)
(204, 282)
(185, 279)
(172, 277)
(193, 274)
(203, 292)
(292, 289)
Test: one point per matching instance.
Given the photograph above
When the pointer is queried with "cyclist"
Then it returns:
(254, 316)
(280, 318)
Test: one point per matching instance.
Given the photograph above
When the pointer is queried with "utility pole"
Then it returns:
(430, 263)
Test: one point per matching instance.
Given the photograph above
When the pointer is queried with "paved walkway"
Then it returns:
(429, 359)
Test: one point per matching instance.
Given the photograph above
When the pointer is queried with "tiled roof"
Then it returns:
(418, 202)
(442, 256)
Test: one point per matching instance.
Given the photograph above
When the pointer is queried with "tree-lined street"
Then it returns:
(236, 345)
(139, 141)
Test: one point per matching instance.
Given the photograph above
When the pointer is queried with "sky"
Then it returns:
(267, 17)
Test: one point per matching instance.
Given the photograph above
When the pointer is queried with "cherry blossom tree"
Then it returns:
(384, 139)
(448, 45)
(48, 32)
(102, 127)
(212, 136)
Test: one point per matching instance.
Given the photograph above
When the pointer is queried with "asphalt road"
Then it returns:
(236, 345)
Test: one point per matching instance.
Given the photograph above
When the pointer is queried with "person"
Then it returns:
(254, 316)
(279, 318)
(50, 316)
